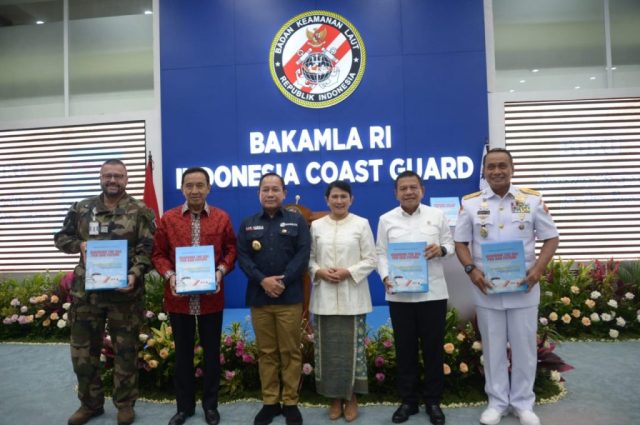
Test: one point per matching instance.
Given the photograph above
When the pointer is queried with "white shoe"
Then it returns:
(527, 417)
(491, 416)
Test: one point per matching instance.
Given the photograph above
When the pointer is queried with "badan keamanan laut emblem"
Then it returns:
(317, 59)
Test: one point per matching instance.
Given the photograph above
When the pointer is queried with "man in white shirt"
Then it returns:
(504, 212)
(418, 319)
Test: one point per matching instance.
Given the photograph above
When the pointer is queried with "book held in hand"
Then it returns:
(105, 265)
(407, 267)
(449, 205)
(195, 270)
(504, 266)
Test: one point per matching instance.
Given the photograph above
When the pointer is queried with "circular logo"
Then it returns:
(317, 59)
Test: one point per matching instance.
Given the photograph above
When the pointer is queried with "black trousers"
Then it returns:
(419, 326)
(184, 331)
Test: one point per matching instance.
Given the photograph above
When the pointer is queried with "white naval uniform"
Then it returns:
(511, 317)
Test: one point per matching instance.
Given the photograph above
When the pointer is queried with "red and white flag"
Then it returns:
(149, 195)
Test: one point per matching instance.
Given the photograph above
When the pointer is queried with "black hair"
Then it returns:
(339, 184)
(407, 173)
(192, 170)
(272, 174)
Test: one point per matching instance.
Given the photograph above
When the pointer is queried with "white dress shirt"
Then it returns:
(426, 224)
(346, 243)
(504, 224)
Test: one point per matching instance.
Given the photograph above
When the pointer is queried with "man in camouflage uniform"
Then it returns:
(111, 215)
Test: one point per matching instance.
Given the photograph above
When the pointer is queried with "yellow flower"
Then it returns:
(476, 346)
(54, 299)
(40, 313)
(46, 323)
(565, 300)
(575, 289)
(447, 369)
(54, 316)
(586, 321)
(553, 316)
(169, 331)
(173, 345)
(153, 364)
(576, 313)
(151, 342)
(464, 368)
(449, 347)
(590, 303)
(147, 357)
(460, 337)
(164, 353)
(566, 318)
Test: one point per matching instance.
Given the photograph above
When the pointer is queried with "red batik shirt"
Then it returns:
(176, 229)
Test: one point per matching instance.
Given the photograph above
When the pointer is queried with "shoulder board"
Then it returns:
(472, 195)
(530, 191)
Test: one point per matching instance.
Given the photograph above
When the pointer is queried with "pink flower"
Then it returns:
(307, 369)
(228, 341)
(240, 345)
(366, 341)
(379, 361)
(15, 302)
(222, 359)
(380, 377)
(387, 343)
(309, 337)
(197, 349)
(149, 314)
(239, 353)
(247, 358)
(198, 373)
(229, 375)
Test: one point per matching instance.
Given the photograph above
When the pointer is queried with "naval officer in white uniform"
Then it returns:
(503, 212)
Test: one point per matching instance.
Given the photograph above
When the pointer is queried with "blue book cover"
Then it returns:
(408, 268)
(106, 265)
(449, 205)
(504, 266)
(195, 270)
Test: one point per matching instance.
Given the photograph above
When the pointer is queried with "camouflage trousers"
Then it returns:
(87, 322)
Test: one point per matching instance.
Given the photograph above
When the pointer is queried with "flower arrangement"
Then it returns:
(586, 301)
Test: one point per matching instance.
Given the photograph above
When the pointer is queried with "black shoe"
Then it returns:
(292, 415)
(179, 418)
(212, 417)
(267, 413)
(435, 414)
(404, 411)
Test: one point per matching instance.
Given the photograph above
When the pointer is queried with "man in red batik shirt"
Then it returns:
(191, 224)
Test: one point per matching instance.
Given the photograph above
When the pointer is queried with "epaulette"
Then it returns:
(472, 195)
(530, 191)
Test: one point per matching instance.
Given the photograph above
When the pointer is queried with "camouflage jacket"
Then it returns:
(130, 220)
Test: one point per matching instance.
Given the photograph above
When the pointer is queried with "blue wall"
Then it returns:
(425, 77)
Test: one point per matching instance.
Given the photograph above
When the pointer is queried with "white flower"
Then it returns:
(548, 293)
(606, 317)
(594, 317)
(555, 376)
(629, 296)
(638, 318)
(103, 358)
(62, 323)
(620, 322)
(544, 321)
(595, 295)
(15, 302)
(143, 338)
(162, 317)
(65, 316)
(149, 314)
(612, 303)
(613, 333)
(482, 360)
(66, 306)
(24, 309)
(477, 345)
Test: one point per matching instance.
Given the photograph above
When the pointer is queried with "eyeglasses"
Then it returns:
(112, 176)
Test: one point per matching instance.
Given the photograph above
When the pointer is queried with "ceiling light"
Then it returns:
(592, 78)
(577, 87)
(39, 22)
(535, 70)
(523, 81)
(512, 91)
(613, 68)
(148, 12)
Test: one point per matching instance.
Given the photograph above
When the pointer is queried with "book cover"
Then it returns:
(449, 205)
(195, 270)
(408, 268)
(504, 266)
(105, 265)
